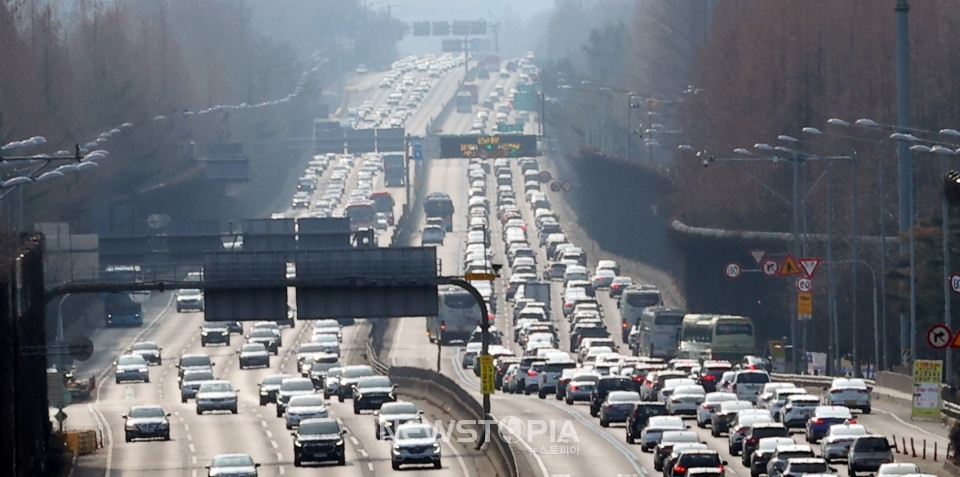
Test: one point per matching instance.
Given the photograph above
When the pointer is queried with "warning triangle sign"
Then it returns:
(789, 266)
(956, 341)
(758, 255)
(809, 266)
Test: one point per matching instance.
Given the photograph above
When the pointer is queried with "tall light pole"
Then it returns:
(905, 172)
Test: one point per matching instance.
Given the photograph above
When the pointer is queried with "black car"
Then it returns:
(149, 351)
(642, 412)
(319, 440)
(235, 327)
(603, 387)
(371, 392)
(146, 422)
(500, 369)
(270, 386)
(586, 332)
(759, 431)
(349, 377)
(253, 354)
(710, 374)
(617, 407)
(214, 332)
(265, 337)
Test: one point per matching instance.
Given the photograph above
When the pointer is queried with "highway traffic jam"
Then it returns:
(677, 369)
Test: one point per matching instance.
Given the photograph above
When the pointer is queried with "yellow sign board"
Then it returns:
(486, 374)
(480, 276)
(927, 376)
(805, 305)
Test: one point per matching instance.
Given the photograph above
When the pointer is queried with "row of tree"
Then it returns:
(70, 73)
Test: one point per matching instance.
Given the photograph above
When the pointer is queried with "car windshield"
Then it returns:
(275, 379)
(872, 444)
(699, 459)
(262, 333)
(198, 376)
(325, 338)
(216, 325)
(417, 432)
(296, 384)
(324, 365)
(398, 408)
(798, 468)
(311, 400)
(216, 387)
(311, 348)
(842, 431)
(318, 427)
(130, 360)
(753, 378)
(834, 413)
(145, 346)
(374, 382)
(194, 361)
(680, 436)
(236, 460)
(623, 397)
(253, 348)
(357, 372)
(146, 412)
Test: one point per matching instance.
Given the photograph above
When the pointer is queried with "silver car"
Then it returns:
(305, 407)
(191, 382)
(656, 426)
(711, 403)
(216, 396)
(131, 367)
(415, 443)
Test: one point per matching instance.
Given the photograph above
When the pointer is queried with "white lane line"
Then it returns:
(281, 471)
(264, 424)
(370, 466)
(279, 456)
(916, 428)
(189, 437)
(399, 335)
(269, 435)
(463, 463)
(543, 467)
(274, 444)
(193, 459)
(355, 441)
(193, 449)
(194, 472)
(186, 427)
(364, 453)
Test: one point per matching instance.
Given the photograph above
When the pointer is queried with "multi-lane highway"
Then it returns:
(573, 443)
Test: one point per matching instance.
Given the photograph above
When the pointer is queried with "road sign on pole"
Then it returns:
(789, 266)
(770, 267)
(955, 282)
(417, 148)
(809, 265)
(938, 336)
(804, 306)
(758, 255)
(804, 285)
(486, 374)
(732, 270)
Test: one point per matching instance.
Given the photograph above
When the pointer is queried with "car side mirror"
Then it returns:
(419, 412)
(114, 363)
(123, 416)
(167, 414)
(832, 469)
(688, 427)
(256, 465)
(723, 462)
(293, 433)
(825, 388)
(344, 431)
(206, 467)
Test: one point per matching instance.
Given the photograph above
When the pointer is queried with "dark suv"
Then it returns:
(694, 459)
(318, 440)
(710, 374)
(603, 387)
(759, 431)
(638, 418)
(214, 332)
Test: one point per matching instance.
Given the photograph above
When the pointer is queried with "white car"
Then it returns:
(766, 393)
(711, 402)
(851, 393)
(415, 443)
(798, 409)
(748, 384)
(686, 399)
(898, 468)
(394, 414)
(775, 403)
(650, 436)
(328, 341)
(836, 443)
(672, 384)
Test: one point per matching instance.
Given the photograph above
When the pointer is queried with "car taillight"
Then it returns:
(818, 421)
(624, 324)
(573, 388)
(443, 325)
(753, 366)
(734, 387)
(709, 377)
(637, 379)
(706, 406)
(679, 470)
(851, 421)
(531, 372)
(607, 406)
(752, 440)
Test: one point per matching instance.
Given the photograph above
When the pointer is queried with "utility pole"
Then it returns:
(466, 57)
(796, 251)
(908, 331)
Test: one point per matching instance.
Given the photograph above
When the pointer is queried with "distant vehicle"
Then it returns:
(120, 309)
(464, 102)
(458, 315)
(361, 69)
(632, 302)
(394, 170)
(146, 422)
(659, 327)
(725, 337)
(232, 464)
(361, 215)
(438, 204)
(383, 203)
(189, 299)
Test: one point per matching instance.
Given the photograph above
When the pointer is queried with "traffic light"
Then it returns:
(951, 187)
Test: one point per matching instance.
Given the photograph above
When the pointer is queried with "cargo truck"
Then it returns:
(394, 170)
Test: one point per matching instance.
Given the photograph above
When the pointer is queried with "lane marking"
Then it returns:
(279, 456)
(269, 435)
(281, 471)
(370, 466)
(363, 453)
(463, 463)
(355, 441)
(193, 449)
(186, 427)
(274, 444)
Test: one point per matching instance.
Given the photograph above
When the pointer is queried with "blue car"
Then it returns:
(825, 416)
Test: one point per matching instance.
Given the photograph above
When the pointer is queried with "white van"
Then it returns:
(748, 384)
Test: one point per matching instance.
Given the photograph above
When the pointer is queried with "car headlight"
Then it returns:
(144, 370)
(297, 443)
(204, 333)
(131, 425)
(436, 446)
(339, 442)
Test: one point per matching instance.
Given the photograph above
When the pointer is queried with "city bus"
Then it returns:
(361, 214)
(122, 274)
(120, 309)
(724, 337)
(659, 329)
(632, 303)
(438, 204)
(458, 314)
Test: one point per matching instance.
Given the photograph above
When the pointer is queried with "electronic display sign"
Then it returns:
(510, 145)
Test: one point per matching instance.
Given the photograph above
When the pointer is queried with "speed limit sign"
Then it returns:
(732, 270)
(955, 283)
(804, 285)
